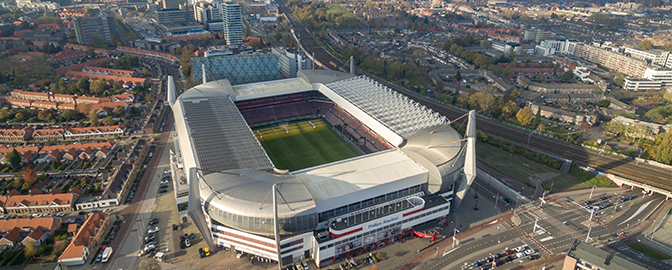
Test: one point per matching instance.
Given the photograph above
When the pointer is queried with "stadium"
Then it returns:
(344, 164)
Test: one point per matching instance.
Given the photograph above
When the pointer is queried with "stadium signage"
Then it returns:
(381, 223)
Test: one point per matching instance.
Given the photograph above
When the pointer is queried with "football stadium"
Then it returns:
(324, 166)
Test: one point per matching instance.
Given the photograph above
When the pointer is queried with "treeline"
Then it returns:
(393, 70)
(321, 16)
(456, 47)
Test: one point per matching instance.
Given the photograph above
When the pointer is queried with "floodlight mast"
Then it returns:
(276, 229)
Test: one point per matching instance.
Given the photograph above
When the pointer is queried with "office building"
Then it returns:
(291, 61)
(653, 79)
(173, 4)
(102, 25)
(233, 23)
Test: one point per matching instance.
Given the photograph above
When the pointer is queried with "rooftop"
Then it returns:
(339, 178)
(392, 109)
(600, 258)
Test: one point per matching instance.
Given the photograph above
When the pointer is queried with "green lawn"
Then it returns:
(300, 145)
(649, 252)
(521, 168)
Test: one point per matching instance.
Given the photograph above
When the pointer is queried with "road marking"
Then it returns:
(641, 208)
(546, 239)
(444, 254)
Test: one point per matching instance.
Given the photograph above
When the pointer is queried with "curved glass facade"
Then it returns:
(297, 224)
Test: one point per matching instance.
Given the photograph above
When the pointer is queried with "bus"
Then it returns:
(106, 254)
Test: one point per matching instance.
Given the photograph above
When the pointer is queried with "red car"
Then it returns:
(509, 252)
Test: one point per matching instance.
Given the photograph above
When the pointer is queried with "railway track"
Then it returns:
(623, 167)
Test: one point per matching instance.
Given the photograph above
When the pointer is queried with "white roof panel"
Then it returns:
(359, 173)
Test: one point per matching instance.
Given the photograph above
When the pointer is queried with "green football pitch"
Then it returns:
(297, 145)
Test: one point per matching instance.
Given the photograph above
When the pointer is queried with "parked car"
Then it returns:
(60, 214)
(529, 251)
(149, 238)
(154, 221)
(152, 231)
(163, 191)
(99, 257)
(163, 186)
(167, 172)
(70, 220)
(186, 243)
(112, 235)
(192, 236)
(36, 215)
(79, 219)
(201, 253)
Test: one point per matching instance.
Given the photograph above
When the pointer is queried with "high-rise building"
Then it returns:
(233, 23)
(173, 4)
(102, 25)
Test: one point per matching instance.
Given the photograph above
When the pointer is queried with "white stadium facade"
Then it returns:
(412, 167)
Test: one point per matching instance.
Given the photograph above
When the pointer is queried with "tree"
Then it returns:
(568, 75)
(109, 121)
(662, 152)
(508, 109)
(256, 44)
(68, 115)
(29, 176)
(93, 117)
(13, 158)
(486, 43)
(46, 115)
(277, 36)
(145, 72)
(458, 75)
(604, 103)
(645, 45)
(524, 116)
(98, 87)
(554, 16)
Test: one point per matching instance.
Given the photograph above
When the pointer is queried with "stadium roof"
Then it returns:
(271, 88)
(220, 135)
(359, 173)
(389, 107)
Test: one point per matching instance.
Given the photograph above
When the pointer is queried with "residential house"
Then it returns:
(36, 237)
(564, 116)
(12, 238)
(88, 236)
(16, 135)
(48, 134)
(27, 225)
(36, 202)
(94, 132)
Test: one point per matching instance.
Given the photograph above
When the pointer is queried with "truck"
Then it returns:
(107, 252)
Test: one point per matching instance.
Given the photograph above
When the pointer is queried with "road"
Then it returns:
(626, 168)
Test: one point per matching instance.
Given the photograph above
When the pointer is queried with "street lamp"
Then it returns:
(591, 192)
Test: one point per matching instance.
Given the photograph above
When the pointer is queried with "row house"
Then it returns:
(11, 239)
(150, 54)
(36, 230)
(564, 116)
(26, 152)
(110, 71)
(94, 62)
(48, 134)
(83, 244)
(71, 152)
(16, 135)
(36, 237)
(38, 104)
(64, 98)
(94, 132)
(37, 202)
(67, 56)
(124, 81)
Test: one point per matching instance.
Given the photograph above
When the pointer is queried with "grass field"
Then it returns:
(649, 252)
(303, 144)
(521, 169)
